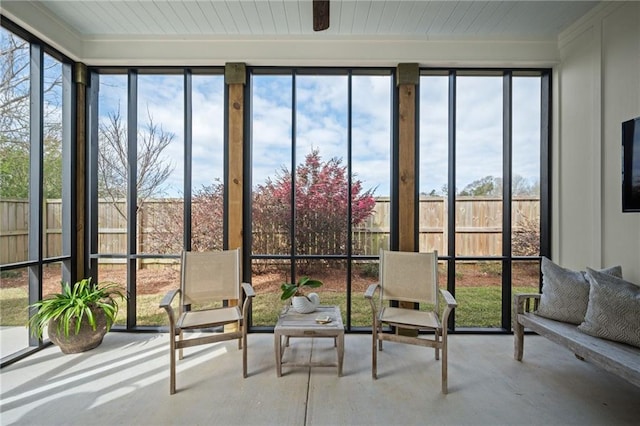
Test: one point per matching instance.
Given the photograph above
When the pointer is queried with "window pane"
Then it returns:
(52, 157)
(115, 271)
(271, 164)
(14, 148)
(207, 162)
(154, 279)
(434, 163)
(479, 183)
(14, 299)
(321, 177)
(112, 164)
(479, 294)
(526, 167)
(160, 180)
(371, 163)
(267, 275)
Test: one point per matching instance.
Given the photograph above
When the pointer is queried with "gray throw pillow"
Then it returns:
(565, 293)
(613, 312)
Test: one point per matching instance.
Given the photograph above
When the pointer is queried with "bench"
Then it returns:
(617, 358)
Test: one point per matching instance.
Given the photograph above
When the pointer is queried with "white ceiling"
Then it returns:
(279, 32)
(102, 19)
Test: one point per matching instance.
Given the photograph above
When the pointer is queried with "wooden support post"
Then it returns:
(235, 78)
(408, 77)
(80, 178)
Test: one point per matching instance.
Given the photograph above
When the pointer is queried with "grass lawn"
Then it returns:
(477, 307)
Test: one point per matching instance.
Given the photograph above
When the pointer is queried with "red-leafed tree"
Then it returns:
(321, 208)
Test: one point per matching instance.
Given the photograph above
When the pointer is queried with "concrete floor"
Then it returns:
(125, 382)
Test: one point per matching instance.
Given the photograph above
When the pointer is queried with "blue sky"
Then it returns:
(321, 120)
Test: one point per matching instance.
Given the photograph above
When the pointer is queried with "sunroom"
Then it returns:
(489, 132)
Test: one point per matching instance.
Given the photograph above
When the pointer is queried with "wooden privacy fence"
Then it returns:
(478, 225)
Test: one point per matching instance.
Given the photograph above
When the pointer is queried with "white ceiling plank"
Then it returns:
(451, 24)
(181, 18)
(279, 16)
(305, 10)
(197, 15)
(145, 21)
(428, 17)
(374, 17)
(265, 15)
(347, 15)
(489, 9)
(225, 17)
(163, 16)
(212, 18)
(444, 13)
(389, 13)
(361, 16)
(413, 19)
(239, 17)
(293, 16)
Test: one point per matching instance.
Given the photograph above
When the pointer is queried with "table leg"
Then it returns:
(340, 342)
(278, 350)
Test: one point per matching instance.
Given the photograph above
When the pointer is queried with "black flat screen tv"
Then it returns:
(631, 165)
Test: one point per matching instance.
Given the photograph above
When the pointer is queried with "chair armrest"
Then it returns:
(371, 290)
(522, 302)
(248, 290)
(168, 298)
(448, 297)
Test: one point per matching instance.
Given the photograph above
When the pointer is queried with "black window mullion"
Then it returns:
(36, 172)
(188, 153)
(132, 195)
(545, 166)
(92, 180)
(292, 235)
(349, 199)
(451, 195)
(507, 144)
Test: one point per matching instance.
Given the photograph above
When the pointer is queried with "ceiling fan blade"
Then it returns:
(320, 15)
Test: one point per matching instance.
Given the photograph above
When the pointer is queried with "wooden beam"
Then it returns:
(235, 78)
(407, 82)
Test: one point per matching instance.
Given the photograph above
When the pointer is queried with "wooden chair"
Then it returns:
(410, 278)
(207, 280)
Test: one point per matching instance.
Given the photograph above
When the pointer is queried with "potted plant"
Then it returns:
(301, 302)
(77, 318)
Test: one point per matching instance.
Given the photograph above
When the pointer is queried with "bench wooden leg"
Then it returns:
(518, 340)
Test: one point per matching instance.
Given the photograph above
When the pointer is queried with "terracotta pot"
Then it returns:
(306, 305)
(86, 339)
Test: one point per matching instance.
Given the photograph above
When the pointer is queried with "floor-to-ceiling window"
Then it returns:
(157, 169)
(36, 142)
(481, 137)
(320, 172)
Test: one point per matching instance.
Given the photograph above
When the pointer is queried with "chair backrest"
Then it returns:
(210, 276)
(409, 277)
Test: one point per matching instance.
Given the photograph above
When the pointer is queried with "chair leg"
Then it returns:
(437, 349)
(244, 351)
(445, 389)
(374, 351)
(172, 362)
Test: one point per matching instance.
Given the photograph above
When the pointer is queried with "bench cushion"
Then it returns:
(614, 309)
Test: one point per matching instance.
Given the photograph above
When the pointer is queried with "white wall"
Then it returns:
(598, 88)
